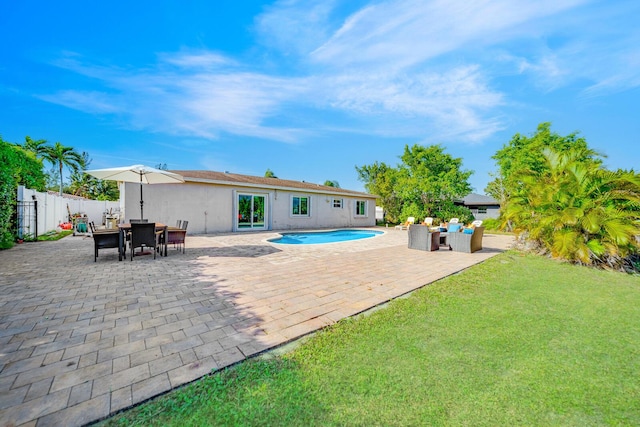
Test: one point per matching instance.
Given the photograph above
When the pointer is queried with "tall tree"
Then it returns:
(60, 155)
(575, 210)
(382, 180)
(269, 174)
(80, 183)
(332, 183)
(434, 176)
(525, 153)
(426, 183)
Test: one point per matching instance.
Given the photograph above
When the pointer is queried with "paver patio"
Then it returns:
(81, 340)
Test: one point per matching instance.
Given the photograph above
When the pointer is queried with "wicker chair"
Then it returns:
(103, 239)
(143, 235)
(422, 238)
(176, 238)
(463, 242)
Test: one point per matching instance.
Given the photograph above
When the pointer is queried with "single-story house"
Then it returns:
(481, 206)
(215, 202)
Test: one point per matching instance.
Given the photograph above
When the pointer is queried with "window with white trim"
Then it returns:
(337, 203)
(482, 209)
(300, 206)
(361, 208)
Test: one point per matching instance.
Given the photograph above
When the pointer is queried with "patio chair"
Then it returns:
(422, 238)
(143, 235)
(103, 239)
(179, 223)
(454, 221)
(428, 221)
(405, 225)
(468, 241)
(177, 238)
(476, 223)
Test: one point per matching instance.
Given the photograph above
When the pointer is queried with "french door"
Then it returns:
(251, 211)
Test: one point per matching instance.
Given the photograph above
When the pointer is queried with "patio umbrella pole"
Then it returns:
(141, 200)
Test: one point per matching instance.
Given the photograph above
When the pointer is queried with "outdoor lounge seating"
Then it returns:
(143, 235)
(468, 242)
(405, 225)
(422, 238)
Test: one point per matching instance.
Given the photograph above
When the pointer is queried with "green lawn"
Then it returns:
(517, 340)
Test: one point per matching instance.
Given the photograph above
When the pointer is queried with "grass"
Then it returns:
(517, 340)
(54, 235)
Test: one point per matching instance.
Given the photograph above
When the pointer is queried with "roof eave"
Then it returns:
(280, 187)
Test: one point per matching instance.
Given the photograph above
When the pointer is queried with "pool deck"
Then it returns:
(81, 340)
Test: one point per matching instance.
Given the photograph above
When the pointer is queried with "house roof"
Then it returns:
(226, 178)
(479, 199)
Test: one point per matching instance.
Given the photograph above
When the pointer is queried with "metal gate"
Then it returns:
(26, 220)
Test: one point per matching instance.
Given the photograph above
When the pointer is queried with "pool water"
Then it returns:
(316, 237)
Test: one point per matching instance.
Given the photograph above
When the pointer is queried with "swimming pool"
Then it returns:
(317, 237)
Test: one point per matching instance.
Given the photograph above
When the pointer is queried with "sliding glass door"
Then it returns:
(251, 211)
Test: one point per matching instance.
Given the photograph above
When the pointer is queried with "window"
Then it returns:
(337, 203)
(300, 206)
(361, 208)
(482, 209)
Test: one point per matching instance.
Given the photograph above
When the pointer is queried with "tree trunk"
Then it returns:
(61, 179)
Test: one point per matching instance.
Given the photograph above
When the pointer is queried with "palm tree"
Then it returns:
(38, 147)
(575, 210)
(60, 156)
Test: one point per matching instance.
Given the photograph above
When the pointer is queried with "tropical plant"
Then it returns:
(332, 183)
(575, 210)
(525, 153)
(269, 174)
(39, 147)
(60, 155)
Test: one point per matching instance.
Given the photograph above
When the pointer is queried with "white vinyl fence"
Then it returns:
(52, 210)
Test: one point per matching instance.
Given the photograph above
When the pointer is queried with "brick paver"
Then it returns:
(81, 339)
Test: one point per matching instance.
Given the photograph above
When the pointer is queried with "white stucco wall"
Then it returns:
(210, 208)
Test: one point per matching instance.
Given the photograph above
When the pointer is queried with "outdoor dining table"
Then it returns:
(125, 227)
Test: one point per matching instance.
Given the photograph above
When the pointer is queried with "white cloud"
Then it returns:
(194, 100)
(455, 99)
(198, 59)
(295, 27)
(414, 68)
(91, 101)
(401, 33)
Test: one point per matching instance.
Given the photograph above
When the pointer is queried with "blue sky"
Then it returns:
(311, 89)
